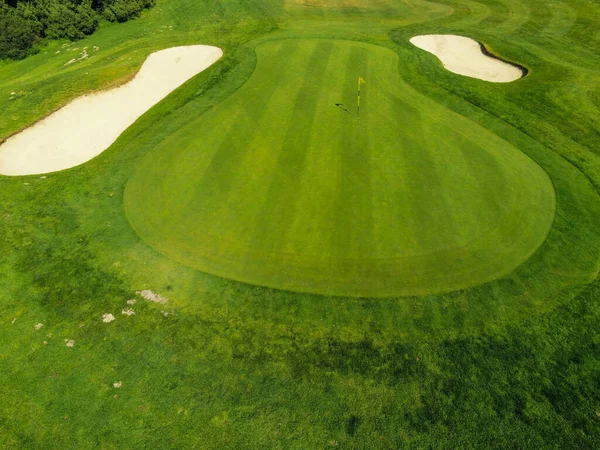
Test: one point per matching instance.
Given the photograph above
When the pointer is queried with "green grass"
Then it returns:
(277, 186)
(511, 363)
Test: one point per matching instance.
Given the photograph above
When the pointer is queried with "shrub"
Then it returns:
(18, 33)
(66, 20)
(25, 22)
(123, 10)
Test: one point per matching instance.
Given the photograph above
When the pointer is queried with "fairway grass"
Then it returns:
(278, 186)
(513, 362)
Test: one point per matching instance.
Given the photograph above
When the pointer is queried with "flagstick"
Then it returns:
(360, 81)
(358, 100)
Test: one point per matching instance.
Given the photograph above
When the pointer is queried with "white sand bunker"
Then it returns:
(90, 124)
(465, 56)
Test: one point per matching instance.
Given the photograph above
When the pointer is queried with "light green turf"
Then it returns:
(278, 186)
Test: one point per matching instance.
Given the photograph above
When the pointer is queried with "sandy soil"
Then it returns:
(463, 56)
(152, 296)
(90, 124)
(107, 318)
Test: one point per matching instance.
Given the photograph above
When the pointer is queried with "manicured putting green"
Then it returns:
(278, 186)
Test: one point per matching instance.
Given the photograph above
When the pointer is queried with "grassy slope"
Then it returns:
(279, 187)
(513, 363)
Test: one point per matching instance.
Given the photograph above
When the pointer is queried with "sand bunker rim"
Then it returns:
(469, 57)
(87, 126)
(524, 70)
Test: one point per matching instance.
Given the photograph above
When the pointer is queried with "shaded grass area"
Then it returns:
(216, 379)
(509, 364)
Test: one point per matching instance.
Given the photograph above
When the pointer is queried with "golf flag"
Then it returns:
(360, 81)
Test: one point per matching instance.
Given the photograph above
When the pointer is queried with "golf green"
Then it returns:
(282, 185)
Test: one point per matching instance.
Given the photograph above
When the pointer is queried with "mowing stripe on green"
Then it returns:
(278, 186)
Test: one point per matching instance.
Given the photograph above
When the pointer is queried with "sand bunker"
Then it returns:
(90, 124)
(466, 56)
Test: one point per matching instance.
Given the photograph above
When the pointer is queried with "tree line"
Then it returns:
(26, 24)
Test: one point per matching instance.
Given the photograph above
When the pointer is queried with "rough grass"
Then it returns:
(509, 364)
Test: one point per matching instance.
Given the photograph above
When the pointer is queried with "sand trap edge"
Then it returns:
(87, 122)
(449, 60)
(524, 70)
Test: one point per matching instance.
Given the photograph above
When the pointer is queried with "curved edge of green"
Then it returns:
(367, 276)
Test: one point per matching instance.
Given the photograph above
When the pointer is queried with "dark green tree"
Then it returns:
(18, 33)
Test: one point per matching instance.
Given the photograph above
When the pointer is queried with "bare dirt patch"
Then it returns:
(331, 4)
(107, 318)
(153, 297)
